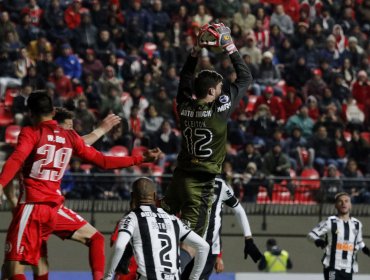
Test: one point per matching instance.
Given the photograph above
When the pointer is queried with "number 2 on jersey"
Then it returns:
(59, 158)
(164, 254)
(197, 140)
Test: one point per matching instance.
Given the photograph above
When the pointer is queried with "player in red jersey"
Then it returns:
(44, 151)
(70, 225)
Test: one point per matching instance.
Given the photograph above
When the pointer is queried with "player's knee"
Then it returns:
(97, 238)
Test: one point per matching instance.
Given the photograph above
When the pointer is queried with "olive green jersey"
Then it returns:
(204, 125)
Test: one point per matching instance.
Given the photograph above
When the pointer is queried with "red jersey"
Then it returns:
(44, 152)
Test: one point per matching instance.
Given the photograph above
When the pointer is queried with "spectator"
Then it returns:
(54, 13)
(291, 102)
(135, 126)
(160, 20)
(310, 53)
(168, 54)
(34, 11)
(348, 72)
(75, 185)
(171, 82)
(247, 155)
(330, 53)
(23, 63)
(359, 150)
(34, 79)
(6, 25)
(99, 16)
(324, 147)
(104, 46)
(8, 74)
(300, 35)
(262, 125)
(92, 65)
(60, 33)
(275, 259)
(111, 102)
(282, 20)
(92, 92)
(135, 99)
(84, 117)
(252, 50)
(19, 107)
(26, 31)
(152, 121)
(140, 18)
(12, 44)
(328, 101)
(277, 164)
(85, 35)
(298, 74)
(318, 35)
(148, 87)
(264, 17)
(315, 86)
(301, 120)
(276, 37)
(339, 88)
(109, 80)
(294, 146)
(37, 48)
(353, 114)
(163, 103)
(69, 62)
(354, 52)
(45, 65)
(261, 36)
(331, 184)
(269, 74)
(274, 104)
(63, 84)
(353, 183)
(166, 140)
(313, 108)
(361, 88)
(286, 55)
(72, 15)
(252, 179)
(244, 18)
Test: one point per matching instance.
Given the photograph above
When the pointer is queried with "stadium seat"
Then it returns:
(366, 136)
(86, 167)
(138, 151)
(311, 174)
(262, 196)
(118, 151)
(6, 117)
(10, 93)
(11, 134)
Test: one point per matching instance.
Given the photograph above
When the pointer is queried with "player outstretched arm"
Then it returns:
(106, 125)
(11, 196)
(202, 248)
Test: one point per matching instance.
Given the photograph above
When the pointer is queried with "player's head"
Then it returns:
(208, 84)
(143, 192)
(343, 203)
(64, 117)
(40, 105)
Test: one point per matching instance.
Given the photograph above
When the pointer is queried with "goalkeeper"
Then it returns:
(203, 107)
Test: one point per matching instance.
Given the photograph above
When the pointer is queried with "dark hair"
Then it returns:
(204, 81)
(40, 103)
(61, 114)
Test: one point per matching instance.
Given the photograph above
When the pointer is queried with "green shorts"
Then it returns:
(191, 195)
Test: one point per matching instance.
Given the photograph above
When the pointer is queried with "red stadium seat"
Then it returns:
(6, 117)
(10, 93)
(138, 151)
(310, 173)
(86, 167)
(11, 134)
(262, 196)
(118, 151)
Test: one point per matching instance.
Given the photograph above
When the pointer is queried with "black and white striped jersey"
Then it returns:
(155, 237)
(344, 240)
(223, 195)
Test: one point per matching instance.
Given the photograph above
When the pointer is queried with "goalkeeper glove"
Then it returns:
(366, 251)
(251, 249)
(221, 37)
(320, 243)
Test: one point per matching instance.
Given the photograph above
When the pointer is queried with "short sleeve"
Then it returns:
(128, 223)
(228, 196)
(321, 229)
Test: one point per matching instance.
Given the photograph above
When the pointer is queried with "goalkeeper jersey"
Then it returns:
(204, 125)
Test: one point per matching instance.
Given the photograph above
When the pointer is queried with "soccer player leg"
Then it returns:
(70, 225)
(41, 271)
(31, 225)
(173, 198)
(198, 202)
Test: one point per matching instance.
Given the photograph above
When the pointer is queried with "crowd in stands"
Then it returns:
(309, 105)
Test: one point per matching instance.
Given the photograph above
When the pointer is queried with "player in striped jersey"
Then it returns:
(223, 195)
(155, 237)
(343, 239)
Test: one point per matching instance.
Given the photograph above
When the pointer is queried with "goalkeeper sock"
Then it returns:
(41, 277)
(96, 255)
(18, 277)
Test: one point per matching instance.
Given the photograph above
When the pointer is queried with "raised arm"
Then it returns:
(106, 125)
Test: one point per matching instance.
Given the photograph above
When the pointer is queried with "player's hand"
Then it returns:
(152, 155)
(366, 251)
(320, 243)
(221, 37)
(219, 265)
(251, 249)
(109, 122)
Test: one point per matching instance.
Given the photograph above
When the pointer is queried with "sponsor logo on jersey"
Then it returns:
(344, 247)
(224, 107)
(8, 247)
(224, 99)
(166, 276)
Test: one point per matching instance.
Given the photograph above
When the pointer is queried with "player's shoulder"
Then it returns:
(163, 213)
(332, 218)
(223, 103)
(353, 219)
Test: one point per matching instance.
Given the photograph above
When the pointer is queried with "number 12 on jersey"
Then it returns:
(197, 140)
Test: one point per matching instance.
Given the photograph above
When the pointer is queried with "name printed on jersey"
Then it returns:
(56, 139)
(197, 114)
